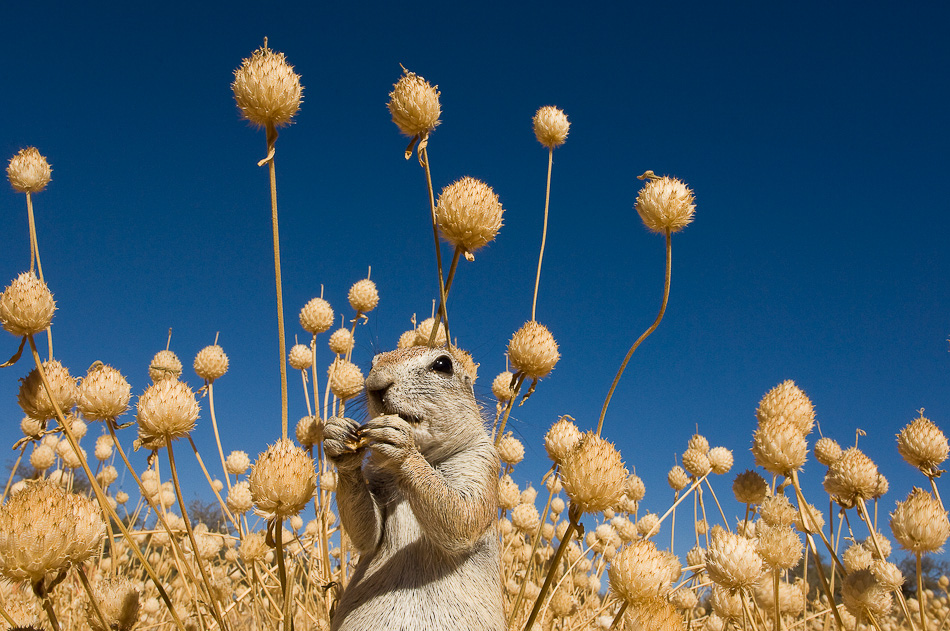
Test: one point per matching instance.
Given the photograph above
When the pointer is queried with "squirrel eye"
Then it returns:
(442, 364)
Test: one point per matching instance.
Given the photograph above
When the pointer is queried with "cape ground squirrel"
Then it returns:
(421, 510)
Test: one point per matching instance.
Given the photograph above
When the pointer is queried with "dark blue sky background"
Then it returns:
(815, 137)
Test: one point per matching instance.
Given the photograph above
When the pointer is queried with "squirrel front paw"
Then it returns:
(342, 443)
(389, 436)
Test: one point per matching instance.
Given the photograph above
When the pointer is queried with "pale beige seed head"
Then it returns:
(26, 306)
(309, 431)
(776, 510)
(363, 296)
(779, 447)
(656, 615)
(696, 462)
(561, 439)
(677, 478)
(165, 365)
(779, 546)
(43, 457)
(720, 459)
(33, 398)
(750, 487)
(28, 171)
(407, 339)
(253, 547)
(469, 214)
(501, 387)
(665, 204)
(510, 450)
(414, 105)
(827, 450)
(424, 331)
(119, 600)
(888, 575)
(684, 599)
(727, 603)
(346, 380)
(562, 603)
(791, 598)
(341, 341)
(509, 495)
(639, 573)
(883, 543)
(525, 518)
(789, 403)
(923, 445)
(851, 477)
(857, 557)
(237, 462)
(300, 357)
(919, 523)
(282, 480)
(634, 487)
(551, 126)
(166, 410)
(698, 442)
(239, 497)
(316, 316)
(882, 486)
(862, 594)
(648, 525)
(696, 556)
(732, 561)
(266, 88)
(70, 457)
(533, 351)
(103, 393)
(211, 363)
(809, 519)
(107, 475)
(593, 474)
(31, 427)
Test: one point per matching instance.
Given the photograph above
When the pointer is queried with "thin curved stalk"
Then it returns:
(574, 516)
(424, 158)
(448, 286)
(644, 335)
(271, 139)
(92, 598)
(544, 233)
(511, 402)
(217, 437)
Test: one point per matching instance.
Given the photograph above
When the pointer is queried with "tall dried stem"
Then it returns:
(544, 234)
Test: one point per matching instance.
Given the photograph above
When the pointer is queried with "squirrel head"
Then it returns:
(431, 389)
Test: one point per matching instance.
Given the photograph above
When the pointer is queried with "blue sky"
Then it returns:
(814, 137)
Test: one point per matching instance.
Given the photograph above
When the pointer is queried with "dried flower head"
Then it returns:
(851, 477)
(43, 457)
(857, 557)
(551, 126)
(316, 316)
(827, 450)
(923, 445)
(28, 171)
(104, 393)
(787, 402)
(863, 594)
(561, 439)
(253, 547)
(634, 487)
(414, 105)
(104, 446)
(525, 518)
(639, 573)
(32, 427)
(510, 450)
(346, 380)
(750, 487)
(593, 474)
(720, 459)
(727, 604)
(239, 497)
(211, 363)
(779, 446)
(919, 523)
(776, 510)
(665, 204)
(809, 519)
(501, 387)
(300, 357)
(509, 495)
(166, 410)
(469, 214)
(677, 478)
(35, 401)
(309, 431)
(282, 480)
(266, 88)
(341, 341)
(26, 306)
(696, 462)
(165, 365)
(779, 546)
(363, 296)
(407, 339)
(533, 351)
(237, 462)
(648, 525)
(118, 600)
(732, 561)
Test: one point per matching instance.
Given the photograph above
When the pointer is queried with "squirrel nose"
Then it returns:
(376, 395)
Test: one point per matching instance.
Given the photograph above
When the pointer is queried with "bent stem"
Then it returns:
(645, 334)
(424, 159)
(97, 490)
(448, 286)
(43, 594)
(217, 437)
(511, 402)
(92, 599)
(534, 547)
(574, 514)
(281, 569)
(544, 234)
(35, 255)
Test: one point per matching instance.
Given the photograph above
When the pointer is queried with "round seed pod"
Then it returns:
(533, 351)
(726, 603)
(647, 525)
(696, 462)
(237, 462)
(699, 443)
(33, 398)
(851, 477)
(501, 387)
(919, 523)
(167, 410)
(316, 316)
(923, 445)
(282, 480)
(414, 105)
(363, 296)
(510, 450)
(815, 521)
(525, 518)
(424, 331)
(561, 439)
(509, 495)
(309, 431)
(119, 602)
(665, 204)
(266, 88)
(732, 561)
(165, 365)
(211, 363)
(26, 306)
(104, 447)
(593, 474)
(862, 594)
(107, 475)
(253, 547)
(300, 357)
(857, 557)
(551, 126)
(677, 479)
(239, 497)
(779, 447)
(407, 339)
(750, 487)
(776, 510)
(720, 459)
(778, 546)
(787, 402)
(31, 427)
(635, 488)
(639, 573)
(888, 575)
(696, 556)
(43, 457)
(104, 393)
(827, 450)
(469, 214)
(346, 380)
(882, 542)
(28, 171)
(341, 341)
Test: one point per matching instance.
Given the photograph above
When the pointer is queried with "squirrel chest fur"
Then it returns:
(421, 508)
